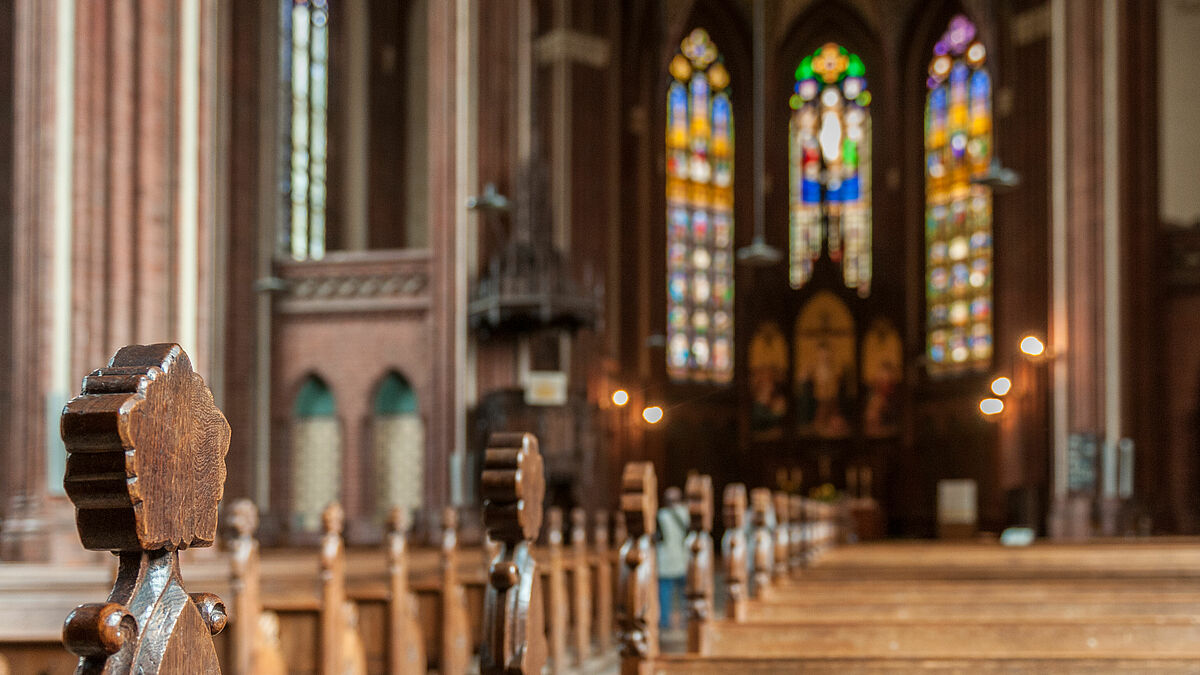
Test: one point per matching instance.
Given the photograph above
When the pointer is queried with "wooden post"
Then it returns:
(145, 469)
(620, 534)
(558, 592)
(406, 645)
(333, 589)
(247, 599)
(763, 542)
(782, 536)
(455, 654)
(735, 551)
(513, 486)
(699, 542)
(796, 538)
(255, 632)
(637, 614)
(604, 584)
(582, 586)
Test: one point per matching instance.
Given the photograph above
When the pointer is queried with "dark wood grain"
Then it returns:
(638, 611)
(514, 638)
(145, 470)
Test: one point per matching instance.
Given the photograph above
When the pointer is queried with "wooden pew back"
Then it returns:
(146, 470)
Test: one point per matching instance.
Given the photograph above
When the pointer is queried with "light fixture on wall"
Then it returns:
(991, 406)
(1001, 386)
(653, 414)
(620, 397)
(759, 253)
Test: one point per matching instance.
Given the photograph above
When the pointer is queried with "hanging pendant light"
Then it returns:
(759, 253)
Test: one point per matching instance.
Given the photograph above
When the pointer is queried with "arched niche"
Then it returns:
(398, 444)
(316, 458)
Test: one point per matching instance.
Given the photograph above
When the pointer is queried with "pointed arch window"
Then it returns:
(316, 461)
(829, 146)
(305, 74)
(958, 213)
(699, 139)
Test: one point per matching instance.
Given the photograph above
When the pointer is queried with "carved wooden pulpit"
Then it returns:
(514, 625)
(145, 469)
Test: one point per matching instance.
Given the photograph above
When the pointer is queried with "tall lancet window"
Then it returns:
(830, 151)
(958, 213)
(699, 214)
(305, 76)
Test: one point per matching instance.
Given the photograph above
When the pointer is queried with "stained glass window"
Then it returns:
(699, 214)
(958, 213)
(830, 155)
(305, 61)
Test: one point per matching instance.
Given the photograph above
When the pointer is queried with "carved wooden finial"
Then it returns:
(333, 590)
(243, 516)
(639, 498)
(734, 504)
(513, 485)
(406, 645)
(699, 493)
(699, 588)
(763, 542)
(146, 470)
(639, 610)
(734, 550)
(796, 531)
(782, 535)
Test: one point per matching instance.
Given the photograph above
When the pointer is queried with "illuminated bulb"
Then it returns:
(1032, 346)
(620, 397)
(652, 414)
(1001, 386)
(991, 406)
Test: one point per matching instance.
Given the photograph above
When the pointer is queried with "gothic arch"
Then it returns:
(315, 453)
(397, 451)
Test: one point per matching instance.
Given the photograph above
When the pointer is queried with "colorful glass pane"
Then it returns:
(305, 32)
(829, 145)
(958, 213)
(700, 140)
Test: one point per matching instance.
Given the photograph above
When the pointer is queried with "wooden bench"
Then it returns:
(145, 470)
(816, 643)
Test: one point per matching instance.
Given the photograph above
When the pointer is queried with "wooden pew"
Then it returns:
(455, 639)
(513, 486)
(318, 623)
(735, 551)
(581, 587)
(603, 565)
(145, 470)
(762, 543)
(255, 633)
(556, 598)
(699, 582)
